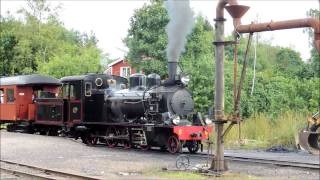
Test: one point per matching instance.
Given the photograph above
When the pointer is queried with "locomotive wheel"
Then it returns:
(173, 144)
(193, 146)
(144, 147)
(111, 131)
(90, 141)
(52, 132)
(126, 144)
(84, 141)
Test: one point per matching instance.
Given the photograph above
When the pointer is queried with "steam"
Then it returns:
(179, 26)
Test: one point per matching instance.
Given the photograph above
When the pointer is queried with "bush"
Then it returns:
(260, 131)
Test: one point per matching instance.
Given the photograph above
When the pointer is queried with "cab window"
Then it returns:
(75, 92)
(88, 88)
(65, 91)
(10, 95)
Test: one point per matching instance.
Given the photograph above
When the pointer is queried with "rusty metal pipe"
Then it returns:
(218, 162)
(220, 9)
(279, 25)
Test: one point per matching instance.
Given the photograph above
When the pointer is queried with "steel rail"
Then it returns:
(49, 173)
(25, 174)
(295, 164)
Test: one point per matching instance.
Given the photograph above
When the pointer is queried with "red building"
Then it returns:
(120, 67)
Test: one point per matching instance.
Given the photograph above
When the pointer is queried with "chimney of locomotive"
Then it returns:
(179, 26)
(172, 68)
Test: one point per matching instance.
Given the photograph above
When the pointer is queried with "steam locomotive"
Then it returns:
(100, 108)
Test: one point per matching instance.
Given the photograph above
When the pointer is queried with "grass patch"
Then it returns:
(261, 131)
(191, 175)
(176, 175)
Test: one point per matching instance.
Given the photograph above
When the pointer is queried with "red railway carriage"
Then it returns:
(18, 95)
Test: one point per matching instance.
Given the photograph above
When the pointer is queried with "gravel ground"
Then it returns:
(72, 156)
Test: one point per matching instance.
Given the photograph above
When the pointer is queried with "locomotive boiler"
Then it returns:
(148, 101)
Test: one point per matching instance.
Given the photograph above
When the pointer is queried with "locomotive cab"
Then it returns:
(84, 96)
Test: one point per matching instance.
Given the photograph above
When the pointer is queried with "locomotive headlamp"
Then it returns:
(176, 120)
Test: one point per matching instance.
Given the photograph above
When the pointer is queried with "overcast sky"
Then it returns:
(109, 19)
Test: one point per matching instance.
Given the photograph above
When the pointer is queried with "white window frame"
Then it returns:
(125, 71)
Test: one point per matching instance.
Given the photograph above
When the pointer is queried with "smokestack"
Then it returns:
(179, 26)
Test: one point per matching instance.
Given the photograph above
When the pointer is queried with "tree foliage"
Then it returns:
(39, 43)
(147, 39)
(283, 81)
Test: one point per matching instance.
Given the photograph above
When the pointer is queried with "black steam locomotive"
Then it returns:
(144, 113)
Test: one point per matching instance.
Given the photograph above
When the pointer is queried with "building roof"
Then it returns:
(115, 62)
(34, 79)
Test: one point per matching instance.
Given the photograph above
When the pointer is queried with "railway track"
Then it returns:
(23, 171)
(246, 159)
(256, 160)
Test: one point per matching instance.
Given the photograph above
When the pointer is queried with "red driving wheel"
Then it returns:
(111, 132)
(92, 140)
(144, 147)
(173, 144)
(126, 144)
(89, 140)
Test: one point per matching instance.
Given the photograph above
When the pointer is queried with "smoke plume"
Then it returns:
(179, 26)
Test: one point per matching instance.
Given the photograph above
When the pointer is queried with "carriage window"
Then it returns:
(88, 88)
(75, 92)
(10, 95)
(1, 96)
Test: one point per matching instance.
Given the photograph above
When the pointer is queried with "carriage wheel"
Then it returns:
(173, 144)
(111, 132)
(42, 132)
(193, 146)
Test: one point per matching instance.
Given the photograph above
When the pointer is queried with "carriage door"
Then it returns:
(75, 106)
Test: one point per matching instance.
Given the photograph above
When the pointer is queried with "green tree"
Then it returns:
(41, 44)
(315, 56)
(147, 39)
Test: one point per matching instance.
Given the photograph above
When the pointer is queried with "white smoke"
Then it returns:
(179, 26)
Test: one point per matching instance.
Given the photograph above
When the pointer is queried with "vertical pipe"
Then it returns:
(218, 162)
(219, 71)
(235, 71)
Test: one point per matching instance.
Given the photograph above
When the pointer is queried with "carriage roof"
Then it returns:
(34, 79)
